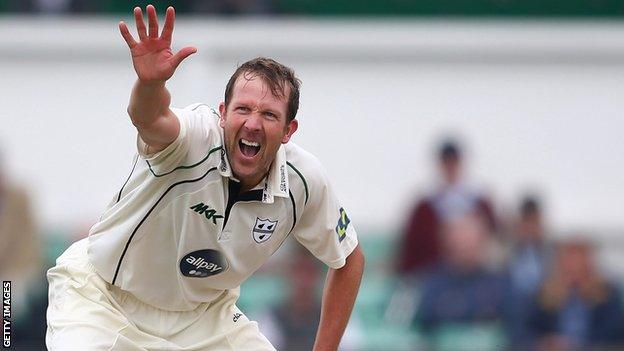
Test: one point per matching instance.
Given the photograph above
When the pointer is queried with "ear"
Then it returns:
(222, 117)
(291, 128)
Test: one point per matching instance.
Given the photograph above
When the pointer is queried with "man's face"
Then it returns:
(450, 169)
(465, 241)
(576, 262)
(530, 227)
(255, 126)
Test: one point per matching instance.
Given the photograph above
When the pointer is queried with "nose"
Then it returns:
(253, 123)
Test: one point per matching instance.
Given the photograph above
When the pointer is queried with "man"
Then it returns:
(292, 323)
(421, 242)
(460, 292)
(529, 260)
(209, 199)
(577, 307)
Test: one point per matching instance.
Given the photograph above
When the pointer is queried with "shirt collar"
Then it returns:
(274, 184)
(224, 164)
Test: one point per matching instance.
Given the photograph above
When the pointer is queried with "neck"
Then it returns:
(250, 182)
(245, 187)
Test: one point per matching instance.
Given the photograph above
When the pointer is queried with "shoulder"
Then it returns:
(203, 109)
(304, 166)
(198, 122)
(199, 111)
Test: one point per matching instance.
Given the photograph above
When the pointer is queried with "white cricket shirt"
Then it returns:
(178, 233)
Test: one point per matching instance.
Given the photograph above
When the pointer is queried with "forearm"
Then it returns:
(148, 102)
(150, 113)
(341, 288)
(154, 63)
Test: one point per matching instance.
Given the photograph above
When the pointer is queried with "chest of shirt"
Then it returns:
(238, 228)
(213, 212)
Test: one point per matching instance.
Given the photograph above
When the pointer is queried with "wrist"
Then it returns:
(151, 83)
(318, 347)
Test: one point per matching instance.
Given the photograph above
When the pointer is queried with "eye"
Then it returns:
(270, 114)
(243, 109)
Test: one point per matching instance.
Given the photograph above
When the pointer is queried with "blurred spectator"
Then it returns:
(20, 256)
(461, 291)
(20, 250)
(577, 308)
(421, 244)
(232, 7)
(55, 6)
(223, 7)
(528, 262)
(292, 324)
(52, 6)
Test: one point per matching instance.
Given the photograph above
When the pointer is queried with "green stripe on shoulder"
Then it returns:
(305, 184)
(183, 167)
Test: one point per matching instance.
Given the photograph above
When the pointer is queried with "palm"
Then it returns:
(152, 60)
(152, 57)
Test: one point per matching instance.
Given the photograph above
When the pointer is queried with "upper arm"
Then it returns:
(196, 131)
(356, 258)
(160, 133)
(324, 227)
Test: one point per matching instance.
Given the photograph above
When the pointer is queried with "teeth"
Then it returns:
(250, 143)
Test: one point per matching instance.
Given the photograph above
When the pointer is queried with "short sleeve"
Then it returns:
(196, 128)
(325, 228)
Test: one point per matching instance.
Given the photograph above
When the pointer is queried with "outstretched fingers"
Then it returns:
(140, 25)
(125, 33)
(182, 54)
(168, 26)
(153, 21)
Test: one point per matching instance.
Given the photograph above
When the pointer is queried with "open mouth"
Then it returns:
(249, 148)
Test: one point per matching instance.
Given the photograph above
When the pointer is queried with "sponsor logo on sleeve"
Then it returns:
(343, 223)
(203, 263)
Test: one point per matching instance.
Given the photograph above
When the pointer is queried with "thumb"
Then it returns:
(182, 54)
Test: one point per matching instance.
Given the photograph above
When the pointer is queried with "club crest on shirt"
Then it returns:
(263, 229)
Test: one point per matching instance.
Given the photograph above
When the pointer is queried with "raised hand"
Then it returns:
(152, 57)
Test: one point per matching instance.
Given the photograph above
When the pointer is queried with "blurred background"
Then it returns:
(476, 146)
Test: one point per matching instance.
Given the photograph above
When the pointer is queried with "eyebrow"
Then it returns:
(277, 113)
(262, 109)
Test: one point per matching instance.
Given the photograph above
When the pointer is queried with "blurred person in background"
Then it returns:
(577, 308)
(55, 6)
(292, 324)
(528, 263)
(223, 7)
(461, 291)
(420, 246)
(232, 7)
(21, 260)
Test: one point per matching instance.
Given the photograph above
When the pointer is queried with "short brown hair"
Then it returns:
(275, 75)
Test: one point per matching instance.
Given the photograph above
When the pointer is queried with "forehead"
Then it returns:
(252, 89)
